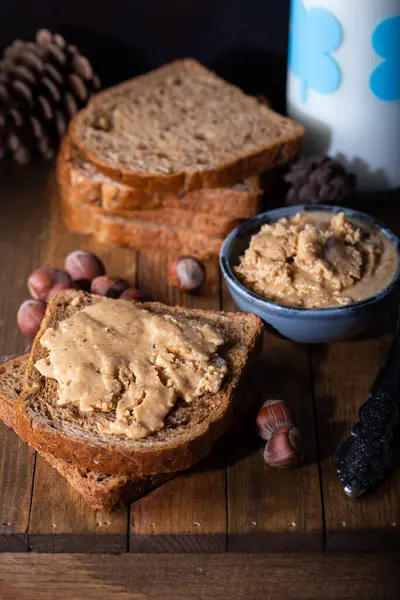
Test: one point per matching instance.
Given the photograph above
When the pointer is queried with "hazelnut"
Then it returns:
(111, 287)
(133, 294)
(282, 449)
(29, 317)
(273, 415)
(187, 273)
(42, 280)
(60, 287)
(81, 264)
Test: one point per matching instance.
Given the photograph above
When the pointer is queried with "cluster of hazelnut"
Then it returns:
(85, 271)
(275, 425)
(82, 271)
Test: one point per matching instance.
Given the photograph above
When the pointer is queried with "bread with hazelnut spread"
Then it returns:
(100, 491)
(181, 127)
(210, 210)
(189, 429)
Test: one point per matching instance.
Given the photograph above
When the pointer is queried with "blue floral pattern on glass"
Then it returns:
(385, 79)
(314, 34)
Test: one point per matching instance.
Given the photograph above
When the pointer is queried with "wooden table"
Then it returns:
(231, 526)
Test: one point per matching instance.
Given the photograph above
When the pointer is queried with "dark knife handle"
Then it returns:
(365, 457)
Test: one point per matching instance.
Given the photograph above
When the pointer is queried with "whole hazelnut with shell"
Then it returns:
(282, 449)
(187, 273)
(30, 316)
(42, 280)
(275, 425)
(111, 287)
(132, 294)
(81, 264)
(272, 415)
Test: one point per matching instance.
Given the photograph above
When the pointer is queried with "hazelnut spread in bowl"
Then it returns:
(317, 260)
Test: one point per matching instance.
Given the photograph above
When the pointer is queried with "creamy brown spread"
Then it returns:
(115, 356)
(317, 260)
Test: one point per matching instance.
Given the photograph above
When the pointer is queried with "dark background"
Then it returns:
(244, 40)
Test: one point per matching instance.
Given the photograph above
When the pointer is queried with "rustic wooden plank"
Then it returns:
(17, 462)
(60, 521)
(343, 375)
(233, 576)
(187, 514)
(22, 245)
(269, 509)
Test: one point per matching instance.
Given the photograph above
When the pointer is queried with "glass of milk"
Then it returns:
(344, 84)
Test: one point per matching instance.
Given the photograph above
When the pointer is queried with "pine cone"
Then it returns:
(319, 180)
(42, 85)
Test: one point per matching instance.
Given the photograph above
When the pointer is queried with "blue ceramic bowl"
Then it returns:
(307, 325)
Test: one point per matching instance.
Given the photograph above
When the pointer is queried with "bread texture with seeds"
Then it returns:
(98, 490)
(189, 429)
(182, 127)
(208, 208)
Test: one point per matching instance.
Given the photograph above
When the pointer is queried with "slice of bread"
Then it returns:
(88, 185)
(135, 233)
(182, 127)
(99, 491)
(74, 190)
(189, 429)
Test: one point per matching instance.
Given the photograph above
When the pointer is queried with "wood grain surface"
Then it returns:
(231, 501)
(343, 375)
(274, 509)
(17, 462)
(194, 577)
(23, 242)
(188, 513)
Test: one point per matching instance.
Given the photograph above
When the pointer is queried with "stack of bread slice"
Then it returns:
(170, 160)
(111, 470)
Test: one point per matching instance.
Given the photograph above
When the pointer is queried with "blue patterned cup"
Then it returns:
(344, 84)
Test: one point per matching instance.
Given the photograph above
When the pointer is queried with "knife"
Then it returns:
(366, 456)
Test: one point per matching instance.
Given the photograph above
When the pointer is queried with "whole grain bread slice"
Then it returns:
(74, 190)
(189, 429)
(88, 185)
(182, 127)
(135, 233)
(100, 491)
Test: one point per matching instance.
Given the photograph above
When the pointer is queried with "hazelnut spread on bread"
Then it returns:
(116, 356)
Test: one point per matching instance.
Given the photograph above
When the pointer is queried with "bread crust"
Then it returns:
(272, 155)
(138, 459)
(134, 233)
(75, 192)
(7, 399)
(8, 413)
(225, 206)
